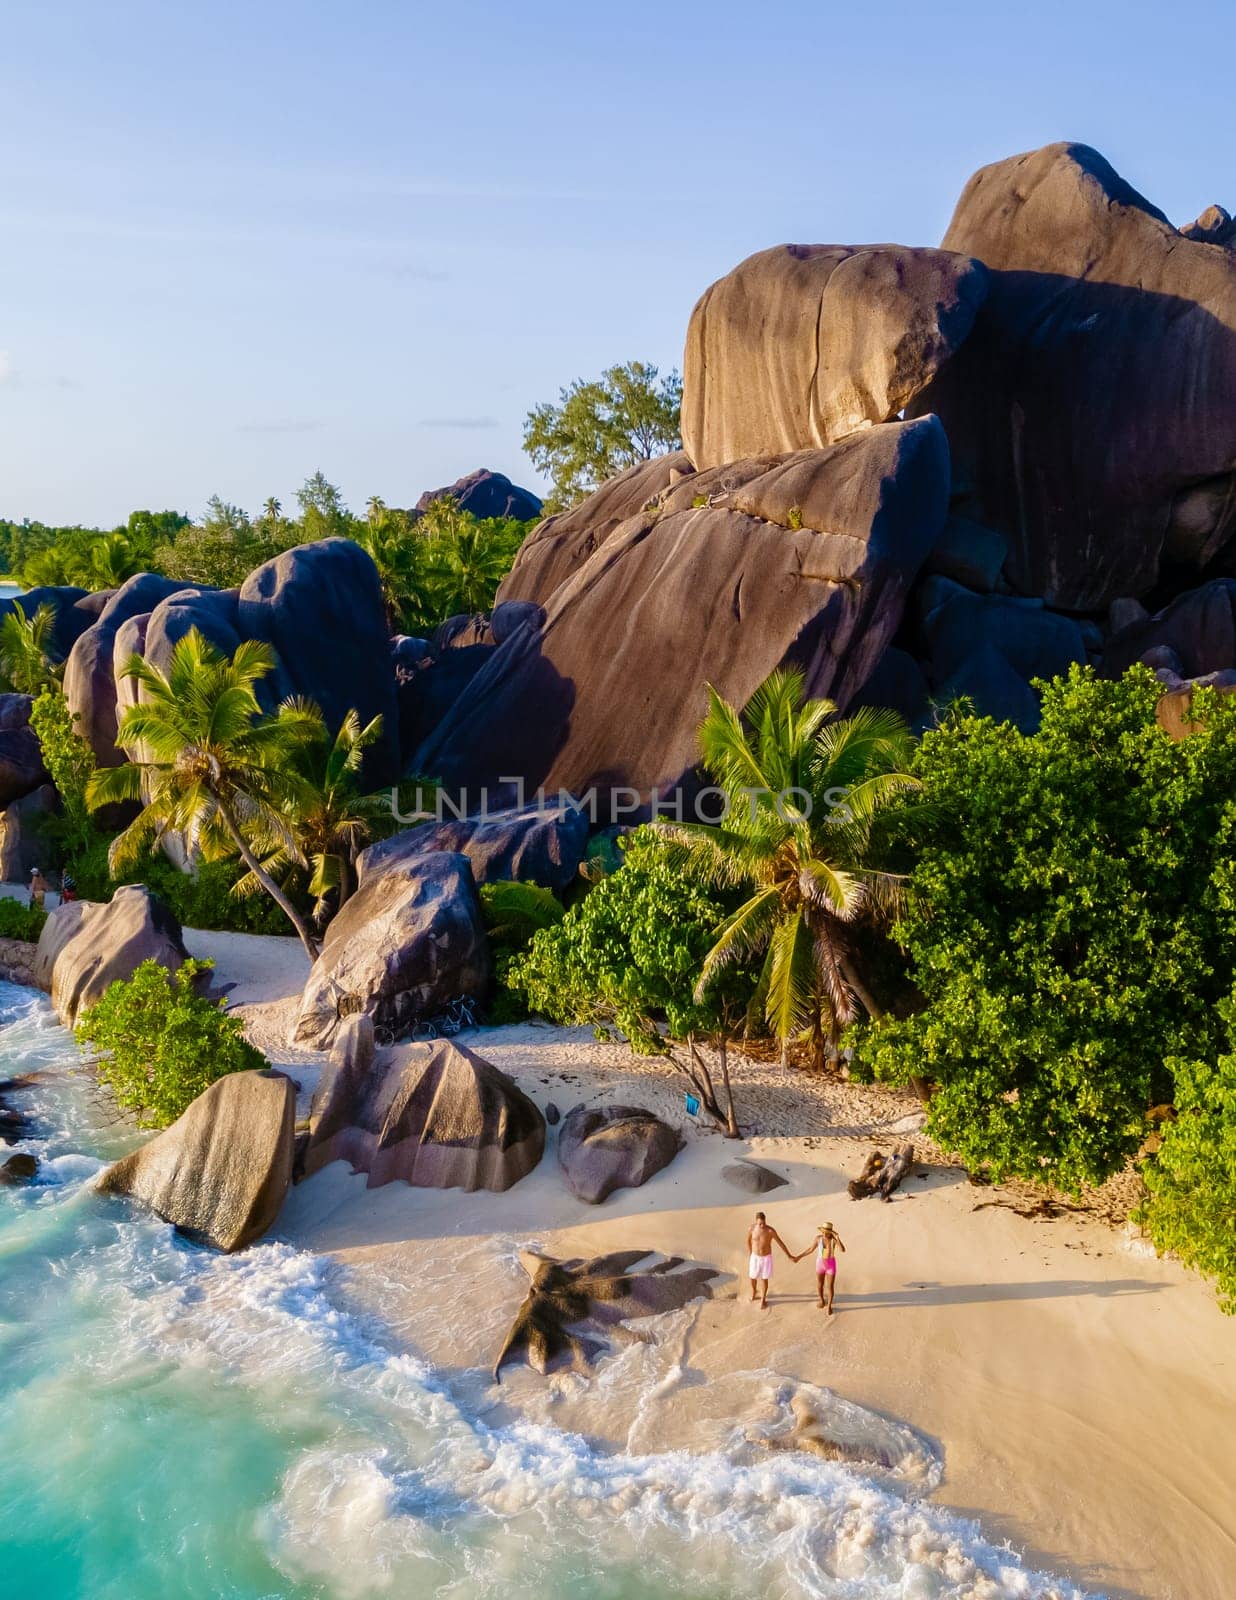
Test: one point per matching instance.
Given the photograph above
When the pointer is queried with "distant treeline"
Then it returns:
(432, 564)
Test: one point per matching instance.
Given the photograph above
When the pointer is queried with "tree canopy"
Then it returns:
(601, 426)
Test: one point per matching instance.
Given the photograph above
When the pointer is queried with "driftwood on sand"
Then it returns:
(882, 1175)
(570, 1304)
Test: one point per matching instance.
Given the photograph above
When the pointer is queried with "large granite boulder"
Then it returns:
(23, 845)
(221, 1171)
(802, 559)
(21, 756)
(603, 1148)
(1092, 410)
(802, 344)
(321, 607)
(73, 610)
(557, 548)
(408, 942)
(538, 844)
(92, 670)
(437, 1115)
(85, 947)
(486, 494)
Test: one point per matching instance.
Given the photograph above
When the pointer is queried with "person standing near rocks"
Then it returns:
(760, 1241)
(38, 887)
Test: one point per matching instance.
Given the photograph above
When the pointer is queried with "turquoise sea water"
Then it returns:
(176, 1424)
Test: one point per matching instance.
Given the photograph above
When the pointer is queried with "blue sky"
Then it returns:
(245, 241)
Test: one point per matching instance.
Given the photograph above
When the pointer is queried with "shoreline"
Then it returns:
(1077, 1387)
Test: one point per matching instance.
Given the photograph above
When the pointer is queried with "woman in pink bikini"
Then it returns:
(826, 1244)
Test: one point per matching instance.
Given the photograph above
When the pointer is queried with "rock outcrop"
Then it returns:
(1092, 410)
(408, 942)
(803, 559)
(573, 1309)
(557, 548)
(22, 843)
(486, 494)
(603, 1148)
(536, 844)
(752, 1178)
(221, 1171)
(437, 1115)
(1198, 628)
(85, 947)
(21, 757)
(802, 344)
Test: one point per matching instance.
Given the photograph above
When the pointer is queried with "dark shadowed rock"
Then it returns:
(22, 772)
(14, 711)
(1199, 628)
(802, 344)
(437, 1115)
(85, 947)
(603, 1148)
(428, 688)
(221, 1171)
(534, 845)
(321, 607)
(897, 683)
(1093, 407)
(969, 554)
(552, 1115)
(23, 845)
(556, 548)
(486, 494)
(803, 559)
(408, 942)
(752, 1178)
(18, 1169)
(573, 1309)
(73, 609)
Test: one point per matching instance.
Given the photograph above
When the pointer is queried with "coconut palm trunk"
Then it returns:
(264, 878)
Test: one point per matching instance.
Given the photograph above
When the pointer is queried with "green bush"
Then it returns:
(20, 921)
(513, 913)
(204, 899)
(161, 1044)
(1191, 1180)
(1070, 926)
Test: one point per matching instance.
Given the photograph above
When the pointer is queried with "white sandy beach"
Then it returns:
(1081, 1391)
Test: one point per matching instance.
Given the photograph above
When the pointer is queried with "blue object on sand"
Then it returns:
(693, 1105)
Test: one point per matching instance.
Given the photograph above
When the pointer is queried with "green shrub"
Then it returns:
(204, 899)
(20, 921)
(1191, 1180)
(161, 1044)
(513, 913)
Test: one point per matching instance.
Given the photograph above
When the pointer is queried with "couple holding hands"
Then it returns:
(760, 1241)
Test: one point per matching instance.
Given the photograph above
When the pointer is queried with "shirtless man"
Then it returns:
(760, 1241)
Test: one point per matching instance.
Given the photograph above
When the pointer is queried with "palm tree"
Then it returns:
(329, 818)
(111, 561)
(209, 765)
(804, 797)
(25, 648)
(466, 558)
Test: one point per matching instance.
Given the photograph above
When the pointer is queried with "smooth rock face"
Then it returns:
(321, 607)
(802, 559)
(1097, 390)
(21, 757)
(752, 1178)
(557, 548)
(437, 1115)
(221, 1171)
(533, 845)
(85, 947)
(603, 1148)
(22, 848)
(486, 494)
(74, 610)
(802, 344)
(408, 942)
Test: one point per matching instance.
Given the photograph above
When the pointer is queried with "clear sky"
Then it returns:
(243, 241)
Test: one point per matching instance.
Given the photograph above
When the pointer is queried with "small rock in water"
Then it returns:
(20, 1168)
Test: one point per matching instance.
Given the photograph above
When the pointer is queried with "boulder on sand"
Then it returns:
(1092, 410)
(603, 1148)
(573, 1308)
(437, 1115)
(220, 1172)
(803, 559)
(407, 943)
(535, 844)
(85, 947)
(752, 1178)
(802, 344)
